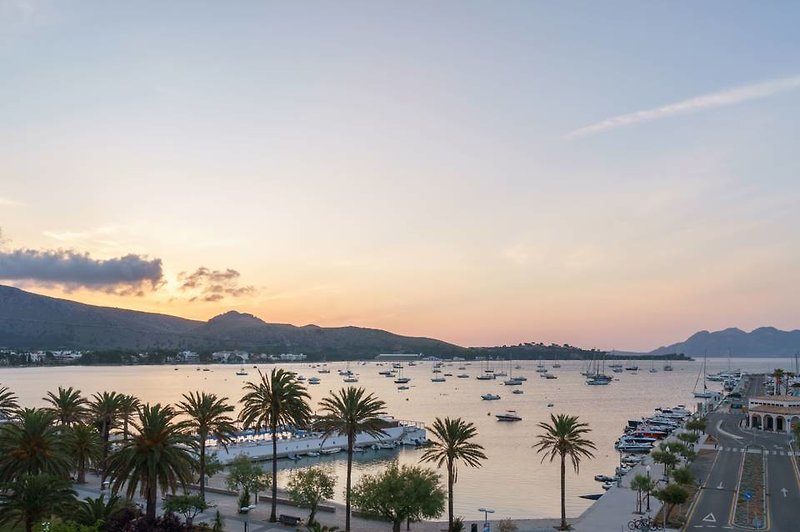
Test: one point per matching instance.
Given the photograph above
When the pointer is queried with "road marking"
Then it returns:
(785, 492)
(725, 432)
(720, 485)
(710, 518)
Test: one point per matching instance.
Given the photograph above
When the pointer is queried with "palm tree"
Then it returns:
(350, 412)
(157, 456)
(90, 511)
(208, 417)
(564, 436)
(85, 446)
(127, 408)
(31, 498)
(105, 408)
(642, 484)
(277, 399)
(778, 375)
(452, 443)
(68, 405)
(31, 445)
(8, 403)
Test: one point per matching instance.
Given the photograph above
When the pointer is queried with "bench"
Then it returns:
(289, 520)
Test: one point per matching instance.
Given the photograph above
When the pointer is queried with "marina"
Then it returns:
(607, 409)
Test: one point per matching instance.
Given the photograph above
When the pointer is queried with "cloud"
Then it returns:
(692, 105)
(213, 285)
(5, 202)
(128, 275)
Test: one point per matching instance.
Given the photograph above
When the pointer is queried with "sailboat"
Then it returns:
(705, 394)
(652, 366)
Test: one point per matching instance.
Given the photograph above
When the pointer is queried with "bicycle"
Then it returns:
(645, 524)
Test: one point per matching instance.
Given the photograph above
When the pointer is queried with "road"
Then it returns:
(713, 509)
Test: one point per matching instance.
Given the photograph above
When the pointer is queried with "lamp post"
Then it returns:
(246, 511)
(486, 512)
(648, 487)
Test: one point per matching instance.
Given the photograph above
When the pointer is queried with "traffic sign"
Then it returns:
(747, 495)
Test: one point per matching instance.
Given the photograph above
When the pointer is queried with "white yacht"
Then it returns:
(508, 415)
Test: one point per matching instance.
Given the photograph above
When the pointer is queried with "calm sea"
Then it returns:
(512, 481)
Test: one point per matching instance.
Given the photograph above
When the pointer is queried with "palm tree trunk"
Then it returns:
(350, 438)
(396, 526)
(563, 494)
(273, 518)
(450, 495)
(202, 467)
(105, 453)
(82, 472)
(28, 523)
(152, 490)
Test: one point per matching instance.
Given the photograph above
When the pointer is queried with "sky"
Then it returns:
(612, 174)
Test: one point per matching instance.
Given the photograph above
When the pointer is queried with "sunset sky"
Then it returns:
(605, 174)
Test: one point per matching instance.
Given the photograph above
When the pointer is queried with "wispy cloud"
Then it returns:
(5, 202)
(692, 105)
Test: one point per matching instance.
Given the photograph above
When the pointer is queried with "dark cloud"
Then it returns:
(213, 285)
(128, 275)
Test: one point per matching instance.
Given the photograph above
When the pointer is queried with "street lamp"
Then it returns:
(246, 511)
(486, 512)
(648, 487)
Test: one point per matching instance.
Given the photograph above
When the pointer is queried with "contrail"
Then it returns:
(698, 103)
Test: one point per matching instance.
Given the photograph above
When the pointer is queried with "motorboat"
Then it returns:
(634, 447)
(604, 478)
(462, 376)
(403, 387)
(607, 485)
(438, 379)
(314, 380)
(490, 397)
(508, 415)
(350, 378)
(517, 392)
(242, 372)
(512, 382)
(485, 377)
(402, 380)
(312, 454)
(597, 380)
(550, 376)
(293, 457)
(332, 450)
(301, 378)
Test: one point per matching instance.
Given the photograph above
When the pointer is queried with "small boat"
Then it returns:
(550, 376)
(241, 372)
(517, 392)
(332, 450)
(301, 378)
(293, 457)
(490, 397)
(403, 387)
(359, 449)
(512, 382)
(312, 454)
(607, 485)
(314, 380)
(667, 367)
(438, 379)
(323, 370)
(402, 380)
(206, 369)
(508, 415)
(550, 405)
(462, 376)
(176, 369)
(350, 378)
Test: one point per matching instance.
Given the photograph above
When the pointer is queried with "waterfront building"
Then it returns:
(775, 413)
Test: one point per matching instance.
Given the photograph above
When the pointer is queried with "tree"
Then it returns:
(643, 485)
(208, 417)
(698, 424)
(91, 511)
(68, 405)
(665, 457)
(105, 408)
(689, 438)
(796, 432)
(451, 443)
(399, 494)
(276, 400)
(157, 456)
(189, 506)
(308, 487)
(349, 412)
(671, 495)
(564, 436)
(777, 375)
(245, 477)
(31, 445)
(85, 448)
(683, 476)
(128, 404)
(8, 403)
(31, 498)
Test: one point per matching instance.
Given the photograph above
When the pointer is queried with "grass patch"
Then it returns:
(752, 481)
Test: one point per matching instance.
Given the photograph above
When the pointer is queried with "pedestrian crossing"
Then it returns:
(758, 451)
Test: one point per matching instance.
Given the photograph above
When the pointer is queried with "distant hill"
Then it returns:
(761, 342)
(33, 321)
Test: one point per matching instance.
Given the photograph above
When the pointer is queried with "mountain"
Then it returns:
(33, 321)
(761, 342)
